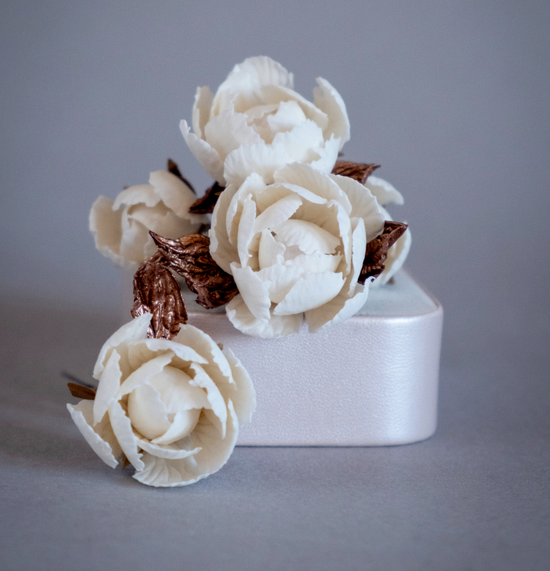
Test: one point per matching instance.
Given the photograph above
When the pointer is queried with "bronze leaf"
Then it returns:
(156, 291)
(175, 170)
(124, 461)
(357, 171)
(205, 204)
(190, 258)
(81, 391)
(377, 250)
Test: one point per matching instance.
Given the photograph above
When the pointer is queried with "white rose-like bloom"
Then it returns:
(294, 247)
(173, 407)
(121, 228)
(256, 122)
(385, 193)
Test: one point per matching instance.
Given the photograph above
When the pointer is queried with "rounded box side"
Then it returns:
(371, 381)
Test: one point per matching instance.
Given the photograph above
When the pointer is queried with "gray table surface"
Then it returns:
(474, 496)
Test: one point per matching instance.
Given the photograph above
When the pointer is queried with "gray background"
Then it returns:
(452, 98)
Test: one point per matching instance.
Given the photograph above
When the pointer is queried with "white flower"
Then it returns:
(256, 122)
(172, 407)
(385, 194)
(121, 228)
(294, 247)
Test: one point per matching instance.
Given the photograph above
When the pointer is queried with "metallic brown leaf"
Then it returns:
(156, 291)
(174, 169)
(190, 258)
(377, 250)
(357, 171)
(81, 391)
(205, 205)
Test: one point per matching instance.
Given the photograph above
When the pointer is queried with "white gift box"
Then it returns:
(369, 381)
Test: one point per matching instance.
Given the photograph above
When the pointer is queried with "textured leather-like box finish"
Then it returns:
(370, 381)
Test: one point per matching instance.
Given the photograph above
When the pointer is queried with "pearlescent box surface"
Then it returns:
(370, 381)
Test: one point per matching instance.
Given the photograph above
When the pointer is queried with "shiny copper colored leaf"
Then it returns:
(174, 169)
(81, 391)
(357, 171)
(156, 291)
(125, 462)
(377, 250)
(190, 258)
(205, 205)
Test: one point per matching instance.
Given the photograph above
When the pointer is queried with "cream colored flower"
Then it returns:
(294, 248)
(256, 122)
(121, 228)
(172, 407)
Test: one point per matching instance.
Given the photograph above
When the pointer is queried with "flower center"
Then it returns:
(268, 120)
(168, 408)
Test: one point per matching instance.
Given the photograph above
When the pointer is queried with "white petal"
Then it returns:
(246, 230)
(270, 251)
(221, 250)
(139, 194)
(212, 360)
(319, 183)
(242, 392)
(328, 155)
(301, 144)
(179, 391)
(277, 326)
(364, 205)
(277, 191)
(133, 330)
(259, 113)
(383, 191)
(174, 451)
(145, 373)
(277, 213)
(215, 399)
(208, 157)
(215, 450)
(177, 196)
(397, 255)
(108, 386)
(315, 263)
(147, 412)
(344, 229)
(163, 472)
(358, 248)
(214, 453)
(250, 187)
(254, 291)
(329, 100)
(228, 131)
(159, 219)
(289, 114)
(142, 351)
(183, 424)
(122, 427)
(135, 235)
(201, 110)
(255, 72)
(309, 237)
(337, 310)
(106, 228)
(276, 94)
(309, 292)
(100, 437)
(281, 279)
(259, 158)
